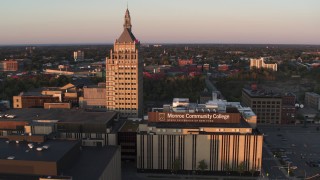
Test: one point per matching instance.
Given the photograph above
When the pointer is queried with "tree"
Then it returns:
(202, 165)
(241, 168)
(176, 165)
(252, 171)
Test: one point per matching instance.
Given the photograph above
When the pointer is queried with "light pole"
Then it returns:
(300, 106)
(284, 167)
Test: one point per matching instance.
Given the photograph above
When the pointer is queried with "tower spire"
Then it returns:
(127, 20)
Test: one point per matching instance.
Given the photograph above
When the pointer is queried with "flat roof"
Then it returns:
(261, 93)
(130, 126)
(63, 115)
(242, 124)
(57, 149)
(91, 162)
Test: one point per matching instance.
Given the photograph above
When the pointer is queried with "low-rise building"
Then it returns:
(9, 65)
(312, 100)
(58, 159)
(92, 128)
(184, 62)
(93, 96)
(66, 96)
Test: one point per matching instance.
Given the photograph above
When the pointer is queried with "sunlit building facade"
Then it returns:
(124, 76)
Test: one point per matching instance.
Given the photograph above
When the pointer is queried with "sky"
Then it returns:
(160, 21)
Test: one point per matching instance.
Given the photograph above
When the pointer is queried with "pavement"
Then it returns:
(300, 145)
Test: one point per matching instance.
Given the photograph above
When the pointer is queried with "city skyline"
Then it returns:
(230, 21)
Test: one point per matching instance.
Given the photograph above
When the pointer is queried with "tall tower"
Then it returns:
(124, 78)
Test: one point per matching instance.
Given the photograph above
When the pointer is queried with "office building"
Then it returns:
(124, 76)
(270, 107)
(181, 135)
(312, 100)
(259, 63)
(9, 65)
(78, 55)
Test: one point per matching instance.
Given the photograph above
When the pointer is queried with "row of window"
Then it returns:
(266, 110)
(125, 83)
(132, 73)
(126, 56)
(126, 88)
(132, 104)
(268, 122)
(132, 68)
(125, 78)
(83, 135)
(265, 102)
(265, 106)
(125, 98)
(126, 108)
(126, 93)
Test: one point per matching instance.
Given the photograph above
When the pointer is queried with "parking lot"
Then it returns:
(295, 147)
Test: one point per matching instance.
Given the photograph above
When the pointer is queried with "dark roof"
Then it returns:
(130, 126)
(126, 36)
(261, 94)
(63, 115)
(92, 162)
(57, 149)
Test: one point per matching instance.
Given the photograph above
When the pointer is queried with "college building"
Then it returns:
(180, 136)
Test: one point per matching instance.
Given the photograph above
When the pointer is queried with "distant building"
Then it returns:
(206, 67)
(124, 74)
(223, 67)
(9, 65)
(259, 63)
(184, 62)
(312, 100)
(78, 55)
(37, 99)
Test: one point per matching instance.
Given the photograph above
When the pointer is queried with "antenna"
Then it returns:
(127, 5)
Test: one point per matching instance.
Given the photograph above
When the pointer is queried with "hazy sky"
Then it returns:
(160, 21)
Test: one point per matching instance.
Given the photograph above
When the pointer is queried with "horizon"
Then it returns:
(153, 43)
(161, 22)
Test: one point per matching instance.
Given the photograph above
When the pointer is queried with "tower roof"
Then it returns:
(127, 35)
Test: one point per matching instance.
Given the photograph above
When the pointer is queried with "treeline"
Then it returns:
(10, 87)
(173, 87)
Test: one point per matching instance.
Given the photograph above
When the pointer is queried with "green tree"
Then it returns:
(202, 165)
(241, 168)
(176, 165)
(252, 171)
